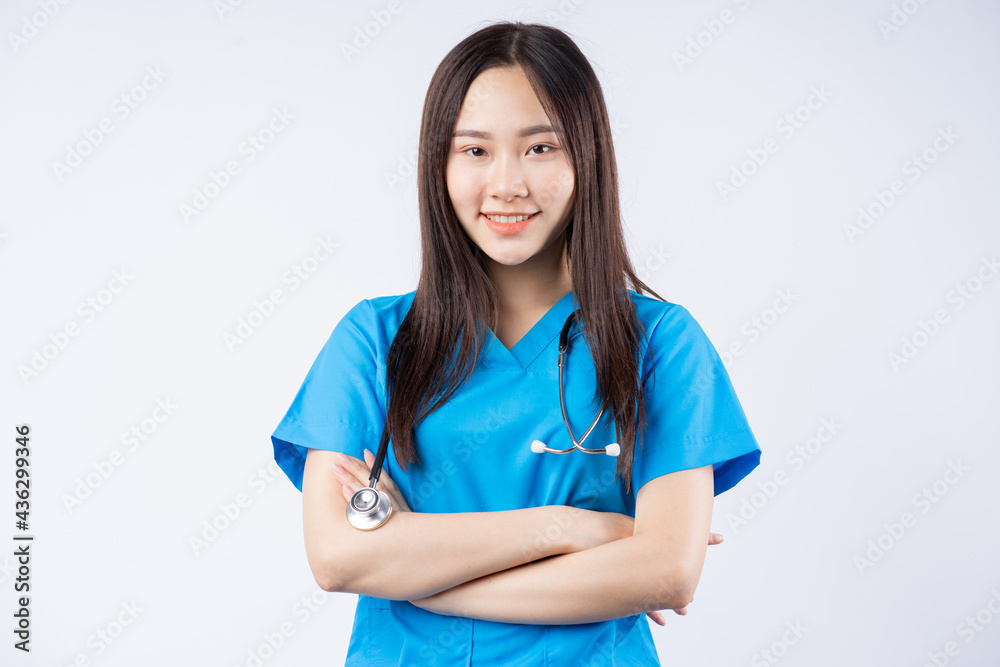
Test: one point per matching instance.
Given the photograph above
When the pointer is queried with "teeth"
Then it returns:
(507, 219)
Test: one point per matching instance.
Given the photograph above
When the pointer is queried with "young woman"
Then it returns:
(498, 551)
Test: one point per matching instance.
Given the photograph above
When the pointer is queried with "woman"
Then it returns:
(494, 554)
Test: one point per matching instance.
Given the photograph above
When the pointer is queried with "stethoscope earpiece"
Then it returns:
(369, 508)
(539, 447)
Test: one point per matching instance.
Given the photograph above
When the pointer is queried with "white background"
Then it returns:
(680, 130)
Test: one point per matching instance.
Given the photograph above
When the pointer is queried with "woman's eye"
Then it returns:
(469, 151)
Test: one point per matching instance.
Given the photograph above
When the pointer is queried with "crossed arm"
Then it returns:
(491, 565)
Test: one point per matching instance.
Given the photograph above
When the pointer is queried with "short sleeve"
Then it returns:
(337, 406)
(693, 415)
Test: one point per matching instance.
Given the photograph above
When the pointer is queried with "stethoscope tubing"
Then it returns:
(370, 508)
(538, 446)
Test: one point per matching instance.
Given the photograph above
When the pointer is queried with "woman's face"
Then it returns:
(505, 159)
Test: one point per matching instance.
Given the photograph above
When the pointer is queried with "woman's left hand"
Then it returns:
(713, 538)
(354, 473)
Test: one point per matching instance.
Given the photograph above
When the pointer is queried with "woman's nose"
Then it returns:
(507, 179)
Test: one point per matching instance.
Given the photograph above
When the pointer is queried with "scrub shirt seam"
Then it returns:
(648, 337)
(472, 643)
(359, 427)
(727, 463)
(538, 352)
(705, 441)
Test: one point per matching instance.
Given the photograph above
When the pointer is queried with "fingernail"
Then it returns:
(341, 456)
(368, 453)
(337, 469)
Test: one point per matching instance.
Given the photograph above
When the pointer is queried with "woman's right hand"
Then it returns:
(354, 473)
(590, 528)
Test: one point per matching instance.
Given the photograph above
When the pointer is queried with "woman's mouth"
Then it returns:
(508, 224)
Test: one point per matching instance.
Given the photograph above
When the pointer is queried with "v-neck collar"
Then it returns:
(532, 343)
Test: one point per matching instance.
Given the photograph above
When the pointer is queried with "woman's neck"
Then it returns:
(535, 284)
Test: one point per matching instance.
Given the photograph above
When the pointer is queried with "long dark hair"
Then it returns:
(438, 342)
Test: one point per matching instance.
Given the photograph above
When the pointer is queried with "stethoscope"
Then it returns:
(370, 508)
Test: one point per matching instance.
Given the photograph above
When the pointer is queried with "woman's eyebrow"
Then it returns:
(526, 132)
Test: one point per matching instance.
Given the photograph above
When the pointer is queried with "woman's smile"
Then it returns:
(502, 224)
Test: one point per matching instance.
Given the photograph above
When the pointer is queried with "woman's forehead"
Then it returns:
(502, 101)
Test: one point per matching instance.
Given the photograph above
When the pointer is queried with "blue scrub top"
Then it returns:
(476, 457)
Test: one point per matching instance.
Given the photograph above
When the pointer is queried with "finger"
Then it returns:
(387, 484)
(682, 611)
(354, 465)
(715, 538)
(398, 498)
(349, 477)
(657, 617)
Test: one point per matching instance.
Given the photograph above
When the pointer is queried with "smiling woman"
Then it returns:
(466, 543)
(512, 190)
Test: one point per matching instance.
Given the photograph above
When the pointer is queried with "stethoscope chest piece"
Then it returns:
(369, 508)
